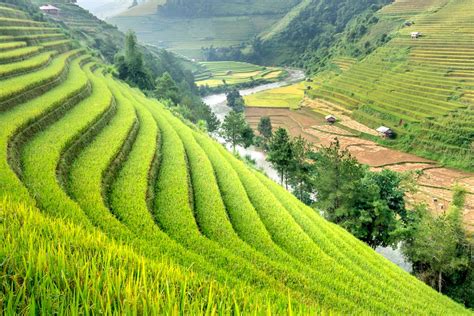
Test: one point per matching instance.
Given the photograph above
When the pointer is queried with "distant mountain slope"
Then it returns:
(213, 8)
(187, 26)
(110, 204)
(422, 88)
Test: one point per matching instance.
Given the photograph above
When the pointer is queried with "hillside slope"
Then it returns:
(421, 88)
(111, 204)
(187, 26)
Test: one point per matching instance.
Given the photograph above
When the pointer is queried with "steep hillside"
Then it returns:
(187, 26)
(212, 8)
(109, 204)
(422, 88)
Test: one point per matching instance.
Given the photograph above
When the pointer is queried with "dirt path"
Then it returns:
(435, 183)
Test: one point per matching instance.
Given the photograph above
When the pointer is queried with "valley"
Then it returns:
(139, 174)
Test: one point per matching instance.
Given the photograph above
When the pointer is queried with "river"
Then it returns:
(218, 105)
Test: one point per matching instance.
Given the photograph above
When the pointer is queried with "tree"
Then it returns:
(265, 127)
(235, 100)
(370, 205)
(236, 131)
(300, 166)
(334, 178)
(439, 249)
(280, 153)
(131, 66)
(166, 88)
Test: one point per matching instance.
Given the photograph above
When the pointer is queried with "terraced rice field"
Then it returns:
(285, 97)
(218, 73)
(111, 205)
(421, 88)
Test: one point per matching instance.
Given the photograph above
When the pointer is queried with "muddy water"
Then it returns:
(218, 104)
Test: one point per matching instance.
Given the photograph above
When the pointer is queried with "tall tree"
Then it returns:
(236, 131)
(265, 127)
(280, 154)
(131, 65)
(299, 174)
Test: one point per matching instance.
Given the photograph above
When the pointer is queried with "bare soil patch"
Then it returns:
(435, 184)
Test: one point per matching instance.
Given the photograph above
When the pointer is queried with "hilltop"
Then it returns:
(111, 204)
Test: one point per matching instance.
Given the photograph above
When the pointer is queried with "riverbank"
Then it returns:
(218, 105)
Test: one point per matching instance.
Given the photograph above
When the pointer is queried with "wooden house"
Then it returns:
(50, 9)
(331, 119)
(385, 132)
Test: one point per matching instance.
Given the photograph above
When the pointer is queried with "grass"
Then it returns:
(285, 97)
(110, 204)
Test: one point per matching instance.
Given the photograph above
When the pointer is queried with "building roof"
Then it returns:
(49, 7)
(330, 117)
(383, 129)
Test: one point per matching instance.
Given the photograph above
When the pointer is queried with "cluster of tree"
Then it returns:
(441, 253)
(166, 80)
(235, 101)
(371, 206)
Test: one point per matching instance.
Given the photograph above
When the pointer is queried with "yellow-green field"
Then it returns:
(218, 73)
(284, 97)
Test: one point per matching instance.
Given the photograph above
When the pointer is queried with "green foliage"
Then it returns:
(370, 205)
(131, 67)
(280, 153)
(440, 251)
(166, 88)
(235, 101)
(236, 131)
(265, 127)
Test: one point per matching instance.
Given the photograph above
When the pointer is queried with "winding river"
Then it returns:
(218, 105)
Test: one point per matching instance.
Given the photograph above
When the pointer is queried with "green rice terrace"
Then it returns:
(109, 204)
(420, 84)
(213, 74)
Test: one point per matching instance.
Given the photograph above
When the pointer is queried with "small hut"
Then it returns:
(50, 9)
(415, 35)
(385, 132)
(331, 119)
